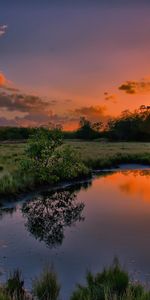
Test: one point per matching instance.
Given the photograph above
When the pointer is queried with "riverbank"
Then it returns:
(95, 156)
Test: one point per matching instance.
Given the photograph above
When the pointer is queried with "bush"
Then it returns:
(14, 286)
(111, 281)
(49, 161)
(46, 286)
(67, 164)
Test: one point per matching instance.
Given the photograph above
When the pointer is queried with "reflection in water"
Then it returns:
(117, 222)
(6, 210)
(137, 183)
(133, 183)
(47, 216)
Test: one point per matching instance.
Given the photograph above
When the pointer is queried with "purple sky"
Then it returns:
(72, 52)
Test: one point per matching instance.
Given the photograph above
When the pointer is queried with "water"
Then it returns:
(80, 228)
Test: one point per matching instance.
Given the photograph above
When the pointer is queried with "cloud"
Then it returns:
(136, 87)
(7, 122)
(110, 97)
(3, 29)
(6, 84)
(31, 110)
(25, 103)
(92, 113)
(2, 79)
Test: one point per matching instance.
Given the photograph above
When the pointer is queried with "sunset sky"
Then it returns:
(62, 59)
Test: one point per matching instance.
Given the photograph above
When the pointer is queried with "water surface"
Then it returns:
(80, 228)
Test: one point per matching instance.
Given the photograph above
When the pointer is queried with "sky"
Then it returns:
(63, 59)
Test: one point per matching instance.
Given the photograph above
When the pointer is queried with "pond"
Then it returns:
(79, 228)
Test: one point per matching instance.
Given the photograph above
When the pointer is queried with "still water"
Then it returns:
(80, 228)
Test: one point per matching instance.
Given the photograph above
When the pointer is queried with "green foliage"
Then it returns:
(48, 162)
(46, 286)
(15, 133)
(40, 149)
(12, 184)
(111, 281)
(111, 284)
(67, 164)
(14, 286)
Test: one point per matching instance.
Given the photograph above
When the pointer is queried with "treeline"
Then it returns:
(129, 126)
(15, 133)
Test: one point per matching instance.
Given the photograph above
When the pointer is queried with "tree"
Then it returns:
(39, 152)
(87, 130)
(49, 161)
(131, 126)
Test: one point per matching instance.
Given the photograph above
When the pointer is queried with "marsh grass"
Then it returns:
(46, 286)
(95, 155)
(113, 283)
(101, 154)
(15, 183)
(15, 286)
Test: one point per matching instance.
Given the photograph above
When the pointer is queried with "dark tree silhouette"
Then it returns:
(88, 130)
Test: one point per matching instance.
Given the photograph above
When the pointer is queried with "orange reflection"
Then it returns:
(134, 183)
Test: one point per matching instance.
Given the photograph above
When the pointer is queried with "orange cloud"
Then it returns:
(2, 80)
(93, 113)
(110, 97)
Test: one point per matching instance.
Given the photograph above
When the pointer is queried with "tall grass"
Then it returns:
(12, 184)
(46, 287)
(112, 283)
(15, 286)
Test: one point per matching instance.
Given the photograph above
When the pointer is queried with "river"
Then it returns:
(79, 228)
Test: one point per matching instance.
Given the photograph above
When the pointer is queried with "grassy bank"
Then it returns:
(98, 155)
(95, 155)
(112, 283)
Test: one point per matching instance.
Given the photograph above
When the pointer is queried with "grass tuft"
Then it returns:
(46, 287)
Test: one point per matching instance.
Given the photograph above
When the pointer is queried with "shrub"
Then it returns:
(111, 281)
(67, 164)
(14, 286)
(46, 286)
(50, 162)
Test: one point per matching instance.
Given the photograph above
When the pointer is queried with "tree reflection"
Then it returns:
(6, 210)
(48, 215)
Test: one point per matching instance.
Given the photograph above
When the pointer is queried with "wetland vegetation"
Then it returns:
(112, 283)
